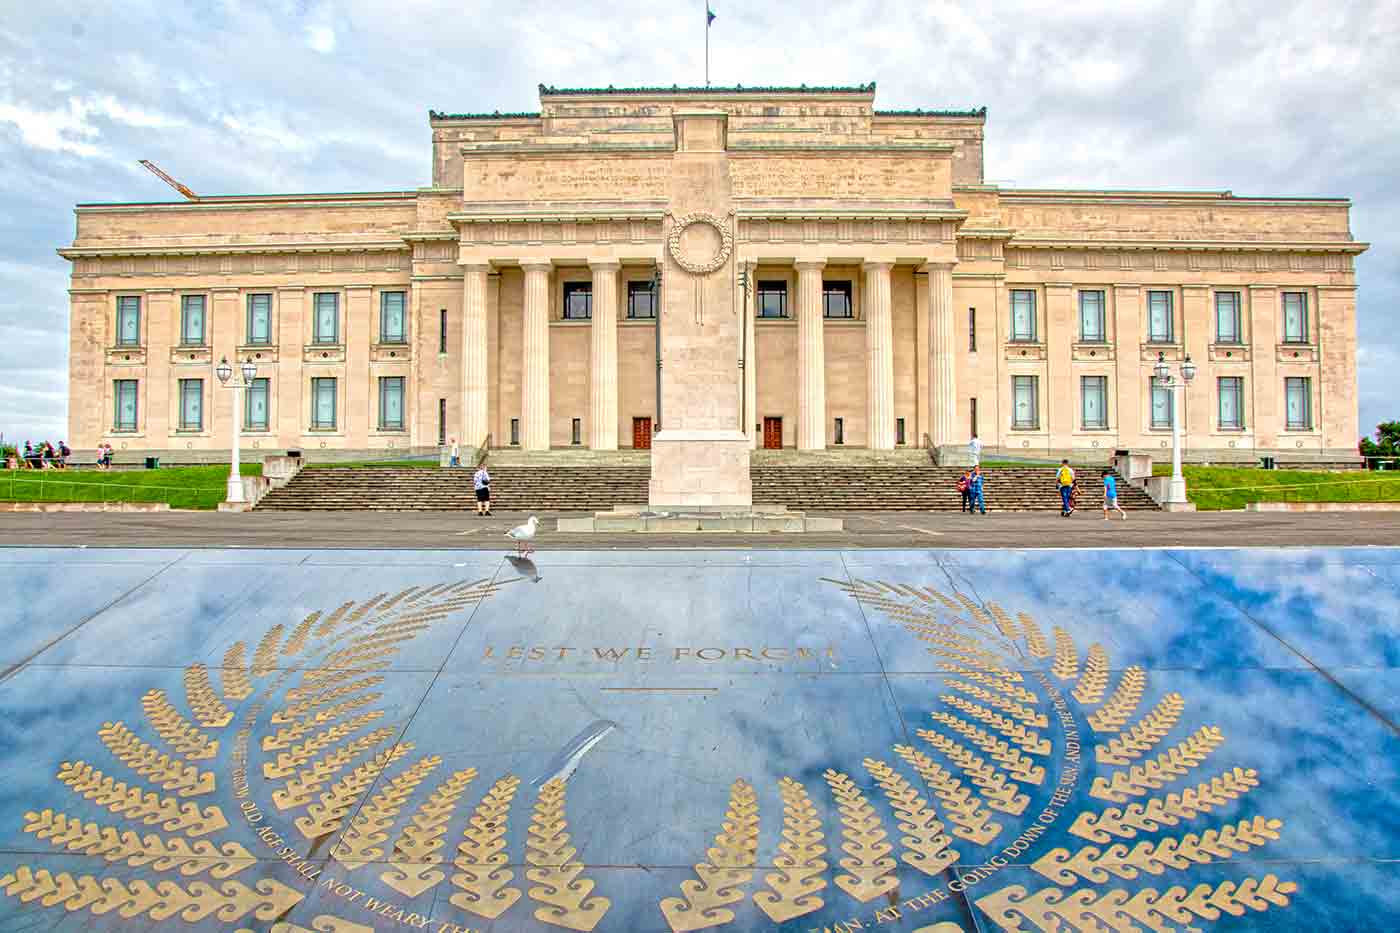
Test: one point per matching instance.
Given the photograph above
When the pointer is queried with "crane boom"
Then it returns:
(156, 170)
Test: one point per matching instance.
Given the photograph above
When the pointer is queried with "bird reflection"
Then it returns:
(525, 567)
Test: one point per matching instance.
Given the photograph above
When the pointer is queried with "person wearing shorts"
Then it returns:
(1110, 496)
(481, 482)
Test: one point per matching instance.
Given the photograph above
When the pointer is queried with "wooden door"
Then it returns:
(772, 433)
(641, 433)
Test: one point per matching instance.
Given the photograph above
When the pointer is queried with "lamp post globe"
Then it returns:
(1162, 371)
(1188, 369)
(250, 371)
(223, 371)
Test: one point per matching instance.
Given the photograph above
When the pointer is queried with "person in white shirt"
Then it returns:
(974, 450)
(481, 482)
(456, 454)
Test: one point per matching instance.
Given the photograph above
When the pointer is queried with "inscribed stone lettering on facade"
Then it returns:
(876, 292)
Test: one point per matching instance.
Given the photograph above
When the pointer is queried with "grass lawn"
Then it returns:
(200, 487)
(1213, 488)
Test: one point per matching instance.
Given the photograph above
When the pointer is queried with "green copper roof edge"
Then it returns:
(974, 112)
(497, 115)
(549, 90)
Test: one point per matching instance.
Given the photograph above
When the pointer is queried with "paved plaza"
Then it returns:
(343, 740)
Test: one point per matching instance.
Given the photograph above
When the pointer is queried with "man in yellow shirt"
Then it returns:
(1065, 480)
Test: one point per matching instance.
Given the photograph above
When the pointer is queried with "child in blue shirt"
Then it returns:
(1110, 496)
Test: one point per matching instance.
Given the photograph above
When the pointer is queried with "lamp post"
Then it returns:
(248, 372)
(1162, 372)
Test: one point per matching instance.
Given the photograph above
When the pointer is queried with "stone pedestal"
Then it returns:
(952, 455)
(699, 468)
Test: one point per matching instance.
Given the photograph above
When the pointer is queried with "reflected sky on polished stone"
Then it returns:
(893, 739)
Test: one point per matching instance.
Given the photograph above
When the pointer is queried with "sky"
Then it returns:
(1261, 98)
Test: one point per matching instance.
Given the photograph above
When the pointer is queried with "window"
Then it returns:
(323, 403)
(442, 330)
(191, 404)
(391, 403)
(1231, 392)
(1159, 317)
(129, 321)
(840, 431)
(1297, 394)
(124, 418)
(972, 418)
(836, 299)
(1091, 317)
(515, 432)
(393, 324)
(192, 320)
(772, 299)
(1227, 318)
(325, 327)
(1023, 315)
(442, 419)
(1093, 397)
(576, 432)
(1295, 317)
(1025, 410)
(259, 319)
(578, 301)
(971, 330)
(641, 300)
(255, 406)
(899, 431)
(1161, 405)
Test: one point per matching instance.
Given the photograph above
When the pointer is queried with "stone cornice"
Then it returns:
(496, 115)
(974, 113)
(985, 233)
(559, 213)
(376, 246)
(1214, 246)
(549, 90)
(849, 213)
(254, 202)
(515, 149)
(1159, 198)
(828, 148)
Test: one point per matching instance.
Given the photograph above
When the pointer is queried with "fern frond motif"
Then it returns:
(926, 846)
(174, 730)
(219, 860)
(1094, 681)
(1157, 812)
(1024, 714)
(369, 829)
(265, 656)
(234, 674)
(231, 900)
(328, 814)
(1066, 666)
(321, 698)
(315, 680)
(297, 643)
(1028, 739)
(298, 755)
(999, 794)
(1021, 767)
(285, 736)
(411, 870)
(1122, 704)
(1119, 909)
(563, 894)
(1035, 641)
(1137, 741)
(137, 803)
(299, 790)
(203, 701)
(333, 620)
(960, 805)
(168, 772)
(1176, 762)
(481, 855)
(800, 865)
(1096, 865)
(1005, 626)
(1020, 694)
(871, 870)
(703, 899)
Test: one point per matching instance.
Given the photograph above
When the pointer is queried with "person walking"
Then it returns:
(974, 450)
(965, 490)
(978, 499)
(1110, 496)
(1064, 479)
(481, 482)
(456, 460)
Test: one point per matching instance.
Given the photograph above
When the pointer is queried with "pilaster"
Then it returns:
(602, 382)
(1059, 394)
(1128, 414)
(811, 357)
(1337, 403)
(1266, 392)
(879, 346)
(1197, 331)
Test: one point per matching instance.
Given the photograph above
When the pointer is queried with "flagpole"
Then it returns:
(707, 44)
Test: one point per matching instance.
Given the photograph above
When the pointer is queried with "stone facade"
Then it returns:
(966, 299)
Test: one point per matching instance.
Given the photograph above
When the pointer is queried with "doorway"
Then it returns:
(641, 433)
(772, 433)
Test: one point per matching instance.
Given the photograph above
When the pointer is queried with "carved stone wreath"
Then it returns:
(715, 262)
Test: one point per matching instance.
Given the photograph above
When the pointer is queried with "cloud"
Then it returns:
(1263, 98)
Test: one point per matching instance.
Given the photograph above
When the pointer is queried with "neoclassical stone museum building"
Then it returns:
(886, 295)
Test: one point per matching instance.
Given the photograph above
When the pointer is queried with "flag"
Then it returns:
(709, 15)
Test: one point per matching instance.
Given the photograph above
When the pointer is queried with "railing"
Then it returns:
(928, 446)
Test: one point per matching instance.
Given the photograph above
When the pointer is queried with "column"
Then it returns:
(534, 414)
(811, 357)
(942, 381)
(750, 401)
(602, 382)
(879, 353)
(475, 384)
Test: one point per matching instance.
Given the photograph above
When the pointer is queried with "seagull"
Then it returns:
(522, 535)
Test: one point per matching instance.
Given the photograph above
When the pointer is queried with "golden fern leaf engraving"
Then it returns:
(1028, 739)
(718, 882)
(298, 791)
(366, 607)
(322, 923)
(370, 828)
(1156, 812)
(234, 675)
(411, 870)
(1179, 853)
(232, 900)
(960, 805)
(871, 870)
(298, 755)
(974, 611)
(221, 860)
(168, 772)
(1122, 704)
(265, 656)
(1137, 741)
(1066, 666)
(328, 814)
(999, 794)
(333, 620)
(285, 736)
(482, 858)
(1020, 694)
(297, 643)
(315, 680)
(799, 861)
(321, 698)
(135, 802)
(1005, 626)
(1035, 640)
(203, 701)
(1018, 766)
(927, 846)
(174, 730)
(1176, 762)
(1025, 714)
(564, 895)
(1094, 681)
